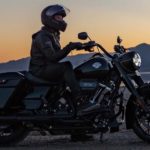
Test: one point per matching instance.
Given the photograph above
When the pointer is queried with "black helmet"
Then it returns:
(47, 17)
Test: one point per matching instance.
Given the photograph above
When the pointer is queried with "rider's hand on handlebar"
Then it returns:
(89, 45)
(73, 45)
(79, 46)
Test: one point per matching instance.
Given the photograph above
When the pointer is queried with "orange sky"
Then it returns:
(102, 19)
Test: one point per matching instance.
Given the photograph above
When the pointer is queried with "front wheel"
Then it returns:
(11, 134)
(141, 122)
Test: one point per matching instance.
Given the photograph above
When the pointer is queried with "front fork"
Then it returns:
(129, 84)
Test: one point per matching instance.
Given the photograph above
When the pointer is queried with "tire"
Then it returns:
(140, 128)
(11, 134)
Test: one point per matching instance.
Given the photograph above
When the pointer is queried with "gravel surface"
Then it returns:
(123, 140)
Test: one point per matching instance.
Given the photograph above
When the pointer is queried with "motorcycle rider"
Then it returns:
(46, 51)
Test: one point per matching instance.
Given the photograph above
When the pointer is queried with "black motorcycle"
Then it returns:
(28, 103)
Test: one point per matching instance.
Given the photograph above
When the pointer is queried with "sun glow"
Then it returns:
(103, 20)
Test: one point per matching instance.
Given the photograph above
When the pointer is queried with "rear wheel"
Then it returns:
(11, 134)
(141, 123)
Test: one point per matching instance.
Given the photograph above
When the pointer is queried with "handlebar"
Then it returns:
(87, 46)
(120, 49)
(104, 50)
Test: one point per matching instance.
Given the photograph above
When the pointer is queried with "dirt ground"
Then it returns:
(123, 140)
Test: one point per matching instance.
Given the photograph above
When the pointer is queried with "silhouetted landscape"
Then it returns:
(22, 64)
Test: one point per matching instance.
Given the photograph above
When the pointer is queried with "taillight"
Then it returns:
(3, 81)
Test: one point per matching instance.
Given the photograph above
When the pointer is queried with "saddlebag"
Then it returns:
(11, 89)
(36, 98)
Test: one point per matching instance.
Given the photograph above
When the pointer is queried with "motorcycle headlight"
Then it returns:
(130, 61)
(137, 60)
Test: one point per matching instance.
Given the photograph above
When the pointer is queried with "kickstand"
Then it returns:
(101, 137)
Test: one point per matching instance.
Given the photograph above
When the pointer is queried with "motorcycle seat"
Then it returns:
(38, 80)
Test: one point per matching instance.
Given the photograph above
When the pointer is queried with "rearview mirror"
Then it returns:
(119, 40)
(82, 35)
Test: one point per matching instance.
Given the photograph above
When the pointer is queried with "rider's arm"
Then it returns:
(44, 43)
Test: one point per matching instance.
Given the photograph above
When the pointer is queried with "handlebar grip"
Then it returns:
(87, 46)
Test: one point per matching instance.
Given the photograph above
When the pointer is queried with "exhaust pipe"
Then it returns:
(32, 118)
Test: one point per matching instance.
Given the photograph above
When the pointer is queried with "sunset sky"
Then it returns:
(102, 19)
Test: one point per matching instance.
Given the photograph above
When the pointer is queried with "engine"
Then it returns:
(94, 91)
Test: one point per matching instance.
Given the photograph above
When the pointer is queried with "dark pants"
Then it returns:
(62, 71)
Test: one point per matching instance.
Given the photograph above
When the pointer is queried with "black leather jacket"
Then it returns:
(45, 50)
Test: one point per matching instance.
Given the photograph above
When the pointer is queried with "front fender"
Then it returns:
(144, 91)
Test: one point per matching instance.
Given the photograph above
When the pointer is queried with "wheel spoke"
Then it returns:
(143, 121)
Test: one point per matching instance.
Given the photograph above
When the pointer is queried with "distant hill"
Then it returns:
(15, 65)
(22, 64)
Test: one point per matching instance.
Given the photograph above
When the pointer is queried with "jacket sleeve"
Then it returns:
(44, 43)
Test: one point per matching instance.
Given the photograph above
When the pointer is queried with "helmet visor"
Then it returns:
(57, 9)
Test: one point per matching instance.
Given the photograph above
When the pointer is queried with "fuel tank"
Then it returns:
(97, 67)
